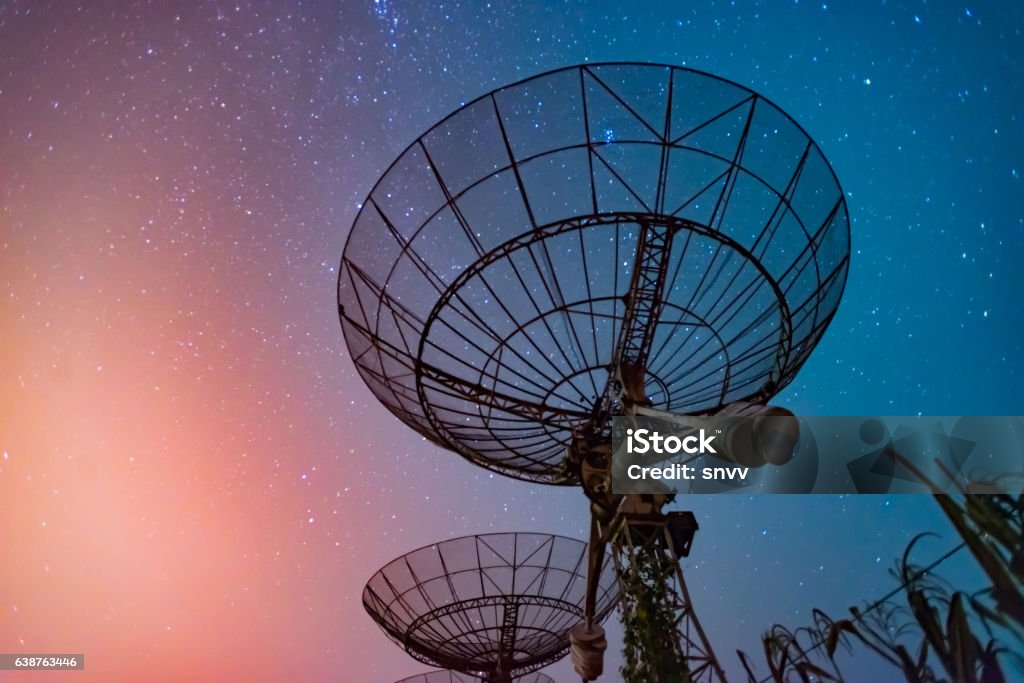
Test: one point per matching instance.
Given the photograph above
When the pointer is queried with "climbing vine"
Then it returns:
(651, 648)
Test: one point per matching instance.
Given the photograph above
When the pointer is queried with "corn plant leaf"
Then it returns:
(964, 650)
(835, 633)
(927, 617)
(922, 655)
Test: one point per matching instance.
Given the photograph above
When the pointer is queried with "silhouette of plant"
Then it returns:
(936, 634)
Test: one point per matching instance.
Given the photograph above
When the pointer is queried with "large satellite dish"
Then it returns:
(555, 231)
(497, 606)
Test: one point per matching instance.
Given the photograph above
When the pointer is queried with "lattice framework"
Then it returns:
(493, 604)
(484, 286)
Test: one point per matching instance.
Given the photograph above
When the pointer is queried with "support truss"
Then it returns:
(656, 542)
(644, 305)
(636, 337)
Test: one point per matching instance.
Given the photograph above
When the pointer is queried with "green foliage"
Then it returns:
(651, 638)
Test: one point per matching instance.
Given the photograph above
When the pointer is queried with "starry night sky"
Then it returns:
(195, 484)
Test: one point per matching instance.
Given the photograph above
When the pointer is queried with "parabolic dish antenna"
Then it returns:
(443, 676)
(554, 231)
(498, 605)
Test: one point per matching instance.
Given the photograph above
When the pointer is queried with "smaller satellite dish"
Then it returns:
(496, 606)
(444, 676)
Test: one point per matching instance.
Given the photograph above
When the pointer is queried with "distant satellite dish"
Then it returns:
(494, 605)
(443, 676)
